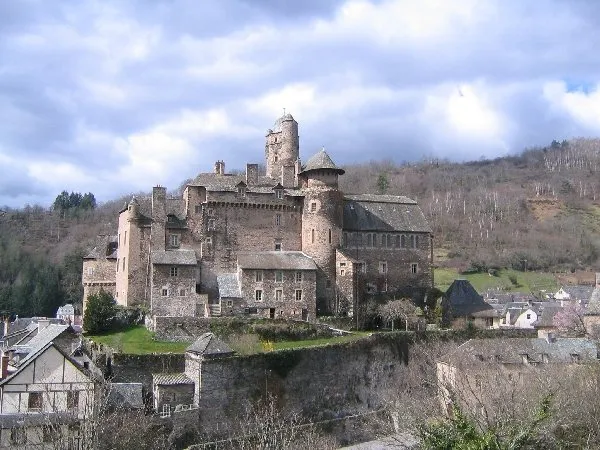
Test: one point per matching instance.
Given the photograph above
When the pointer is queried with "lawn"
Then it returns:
(526, 281)
(286, 345)
(137, 340)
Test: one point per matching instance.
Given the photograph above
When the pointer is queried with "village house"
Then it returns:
(212, 251)
(483, 372)
(47, 395)
(461, 304)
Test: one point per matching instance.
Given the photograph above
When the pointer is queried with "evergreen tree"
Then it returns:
(100, 312)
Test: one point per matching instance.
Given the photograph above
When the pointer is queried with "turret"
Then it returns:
(322, 220)
(282, 146)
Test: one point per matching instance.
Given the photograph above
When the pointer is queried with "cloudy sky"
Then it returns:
(115, 96)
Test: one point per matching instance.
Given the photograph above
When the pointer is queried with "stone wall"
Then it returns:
(139, 368)
(183, 329)
(180, 288)
(98, 274)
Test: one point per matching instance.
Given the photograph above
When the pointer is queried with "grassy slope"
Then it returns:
(527, 281)
(285, 345)
(138, 340)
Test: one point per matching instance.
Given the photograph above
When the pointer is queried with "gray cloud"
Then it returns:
(108, 96)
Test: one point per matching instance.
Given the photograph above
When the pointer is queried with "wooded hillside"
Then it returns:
(539, 210)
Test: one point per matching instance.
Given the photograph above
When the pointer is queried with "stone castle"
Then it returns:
(287, 243)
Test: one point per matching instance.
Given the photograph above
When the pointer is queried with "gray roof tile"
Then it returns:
(208, 345)
(321, 160)
(170, 379)
(510, 350)
(181, 257)
(286, 260)
(385, 215)
(463, 300)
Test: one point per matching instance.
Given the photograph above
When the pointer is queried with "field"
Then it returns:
(503, 280)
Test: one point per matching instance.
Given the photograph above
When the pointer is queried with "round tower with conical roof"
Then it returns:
(282, 145)
(322, 220)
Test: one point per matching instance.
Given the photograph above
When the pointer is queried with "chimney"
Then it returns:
(6, 326)
(43, 323)
(159, 218)
(220, 168)
(4, 367)
(251, 174)
(288, 176)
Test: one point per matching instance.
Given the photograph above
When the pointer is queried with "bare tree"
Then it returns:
(398, 309)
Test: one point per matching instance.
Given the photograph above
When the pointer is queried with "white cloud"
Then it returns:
(583, 107)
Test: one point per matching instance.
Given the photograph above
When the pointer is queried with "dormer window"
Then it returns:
(241, 189)
(279, 193)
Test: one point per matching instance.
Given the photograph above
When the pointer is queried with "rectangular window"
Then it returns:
(279, 276)
(72, 399)
(197, 209)
(277, 246)
(210, 224)
(125, 238)
(124, 262)
(258, 295)
(313, 206)
(369, 240)
(278, 219)
(182, 292)
(90, 271)
(382, 238)
(330, 235)
(342, 264)
(412, 241)
(279, 194)
(403, 241)
(312, 236)
(258, 276)
(414, 268)
(229, 303)
(298, 277)
(174, 240)
(416, 241)
(397, 241)
(208, 240)
(165, 292)
(342, 272)
(382, 267)
(174, 271)
(279, 295)
(298, 295)
(118, 264)
(35, 401)
(210, 212)
(361, 267)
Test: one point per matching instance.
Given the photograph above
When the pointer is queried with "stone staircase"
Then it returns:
(214, 309)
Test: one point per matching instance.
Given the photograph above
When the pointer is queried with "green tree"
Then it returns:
(100, 312)
(382, 183)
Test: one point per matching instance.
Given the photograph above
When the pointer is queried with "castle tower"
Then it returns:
(282, 147)
(322, 220)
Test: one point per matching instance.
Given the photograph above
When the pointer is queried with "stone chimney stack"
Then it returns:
(288, 176)
(43, 323)
(159, 218)
(251, 174)
(220, 168)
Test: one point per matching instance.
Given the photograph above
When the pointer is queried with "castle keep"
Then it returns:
(286, 243)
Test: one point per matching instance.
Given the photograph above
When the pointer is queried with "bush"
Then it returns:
(100, 313)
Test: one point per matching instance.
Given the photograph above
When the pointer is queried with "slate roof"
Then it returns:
(32, 420)
(229, 286)
(181, 257)
(278, 122)
(170, 379)
(463, 300)
(546, 316)
(228, 183)
(284, 260)
(370, 213)
(208, 345)
(173, 206)
(321, 160)
(510, 350)
(104, 247)
(579, 292)
(39, 341)
(593, 307)
(129, 395)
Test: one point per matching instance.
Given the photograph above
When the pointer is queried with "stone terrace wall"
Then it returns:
(181, 329)
(139, 368)
(325, 382)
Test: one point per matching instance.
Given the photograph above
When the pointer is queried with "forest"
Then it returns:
(538, 210)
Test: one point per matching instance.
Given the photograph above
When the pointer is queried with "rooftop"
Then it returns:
(284, 260)
(208, 345)
(182, 257)
(319, 161)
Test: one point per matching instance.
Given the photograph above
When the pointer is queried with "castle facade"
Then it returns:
(286, 243)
